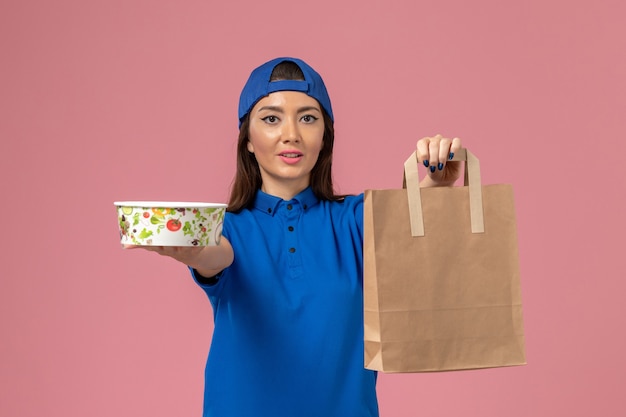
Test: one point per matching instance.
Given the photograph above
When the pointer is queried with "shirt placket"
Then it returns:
(292, 212)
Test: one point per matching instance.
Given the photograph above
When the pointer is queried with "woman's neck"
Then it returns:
(283, 190)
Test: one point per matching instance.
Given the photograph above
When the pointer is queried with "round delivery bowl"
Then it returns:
(162, 223)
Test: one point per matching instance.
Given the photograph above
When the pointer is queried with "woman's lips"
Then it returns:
(290, 157)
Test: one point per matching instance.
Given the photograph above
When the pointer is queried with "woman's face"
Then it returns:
(286, 137)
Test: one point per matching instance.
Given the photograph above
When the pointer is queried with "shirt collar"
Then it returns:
(268, 204)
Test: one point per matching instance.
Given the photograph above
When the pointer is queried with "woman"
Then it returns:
(285, 282)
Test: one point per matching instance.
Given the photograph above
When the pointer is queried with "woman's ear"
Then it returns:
(250, 147)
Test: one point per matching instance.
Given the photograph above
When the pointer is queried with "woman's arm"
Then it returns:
(208, 261)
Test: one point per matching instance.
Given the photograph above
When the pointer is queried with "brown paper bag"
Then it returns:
(441, 276)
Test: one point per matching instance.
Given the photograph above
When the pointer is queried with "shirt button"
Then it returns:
(305, 207)
(292, 250)
(289, 206)
(290, 228)
(269, 210)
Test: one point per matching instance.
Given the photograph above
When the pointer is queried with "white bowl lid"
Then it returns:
(168, 204)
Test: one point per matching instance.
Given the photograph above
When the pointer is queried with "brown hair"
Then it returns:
(248, 176)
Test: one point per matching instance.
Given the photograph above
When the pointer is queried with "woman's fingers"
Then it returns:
(455, 147)
(443, 152)
(176, 252)
(434, 152)
(423, 151)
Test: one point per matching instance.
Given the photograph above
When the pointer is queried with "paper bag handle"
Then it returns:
(472, 180)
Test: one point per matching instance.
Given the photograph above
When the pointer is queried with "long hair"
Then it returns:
(248, 176)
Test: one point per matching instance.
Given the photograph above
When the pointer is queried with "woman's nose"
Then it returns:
(290, 131)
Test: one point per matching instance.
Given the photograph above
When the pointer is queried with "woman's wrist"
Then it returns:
(213, 259)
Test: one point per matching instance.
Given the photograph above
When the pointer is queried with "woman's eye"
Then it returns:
(308, 118)
(270, 119)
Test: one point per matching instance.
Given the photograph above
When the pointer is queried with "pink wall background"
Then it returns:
(107, 100)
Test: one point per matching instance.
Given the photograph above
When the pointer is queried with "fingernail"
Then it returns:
(440, 166)
(432, 168)
(451, 155)
(426, 163)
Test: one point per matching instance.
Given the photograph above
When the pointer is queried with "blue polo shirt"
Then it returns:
(288, 313)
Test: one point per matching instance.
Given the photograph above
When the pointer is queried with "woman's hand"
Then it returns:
(435, 153)
(207, 260)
